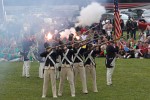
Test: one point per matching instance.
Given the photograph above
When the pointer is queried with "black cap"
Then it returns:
(46, 45)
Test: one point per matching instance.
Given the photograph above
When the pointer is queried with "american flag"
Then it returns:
(117, 27)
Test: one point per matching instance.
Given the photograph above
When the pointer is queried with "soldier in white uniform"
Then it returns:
(110, 62)
(26, 48)
(79, 66)
(66, 70)
(49, 71)
(90, 65)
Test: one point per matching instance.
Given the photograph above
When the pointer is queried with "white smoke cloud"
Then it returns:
(91, 14)
(73, 31)
(67, 32)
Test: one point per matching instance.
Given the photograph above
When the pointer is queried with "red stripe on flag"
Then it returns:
(117, 27)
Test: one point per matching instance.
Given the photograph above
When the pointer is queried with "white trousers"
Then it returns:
(110, 72)
(80, 69)
(41, 68)
(109, 75)
(26, 68)
(49, 74)
(90, 69)
(66, 71)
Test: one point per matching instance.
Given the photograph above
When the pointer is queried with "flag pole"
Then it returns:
(114, 22)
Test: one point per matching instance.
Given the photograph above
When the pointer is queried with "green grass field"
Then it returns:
(131, 81)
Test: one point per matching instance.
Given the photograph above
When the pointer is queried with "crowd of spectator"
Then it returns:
(135, 42)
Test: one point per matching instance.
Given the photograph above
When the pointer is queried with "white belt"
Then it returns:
(80, 63)
(66, 65)
(89, 65)
(49, 67)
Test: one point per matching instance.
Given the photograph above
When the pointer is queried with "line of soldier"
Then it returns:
(75, 59)
(72, 60)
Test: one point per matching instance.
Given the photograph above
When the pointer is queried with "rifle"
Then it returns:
(76, 42)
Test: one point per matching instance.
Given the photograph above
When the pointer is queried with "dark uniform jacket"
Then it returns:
(69, 55)
(111, 51)
(110, 56)
(53, 55)
(80, 54)
(93, 56)
(26, 48)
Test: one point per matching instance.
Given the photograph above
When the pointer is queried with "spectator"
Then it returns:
(129, 26)
(121, 24)
(142, 36)
(108, 29)
(103, 27)
(134, 28)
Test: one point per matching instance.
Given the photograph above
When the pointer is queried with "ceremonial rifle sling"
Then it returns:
(65, 57)
(77, 56)
(90, 57)
(48, 56)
